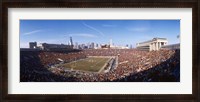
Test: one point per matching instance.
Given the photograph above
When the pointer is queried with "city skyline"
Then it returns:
(122, 32)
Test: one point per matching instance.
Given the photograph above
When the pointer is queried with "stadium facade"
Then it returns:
(152, 45)
(55, 47)
(49, 47)
(171, 47)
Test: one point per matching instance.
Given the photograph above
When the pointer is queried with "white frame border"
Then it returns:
(17, 87)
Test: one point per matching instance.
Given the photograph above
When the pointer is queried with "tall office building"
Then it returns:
(131, 46)
(76, 45)
(96, 46)
(111, 44)
(71, 42)
(92, 45)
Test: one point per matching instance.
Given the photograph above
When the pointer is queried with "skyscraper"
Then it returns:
(92, 45)
(71, 42)
(131, 46)
(76, 45)
(111, 42)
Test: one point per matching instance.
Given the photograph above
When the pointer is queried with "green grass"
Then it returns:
(93, 64)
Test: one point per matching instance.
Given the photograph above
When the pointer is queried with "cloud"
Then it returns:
(109, 25)
(138, 29)
(93, 28)
(84, 35)
(32, 32)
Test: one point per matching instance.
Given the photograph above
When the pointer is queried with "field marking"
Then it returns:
(81, 66)
(98, 62)
(104, 66)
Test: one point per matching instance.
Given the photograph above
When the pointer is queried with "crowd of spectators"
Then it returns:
(133, 65)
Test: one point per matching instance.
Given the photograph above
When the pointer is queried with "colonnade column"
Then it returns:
(160, 45)
(155, 46)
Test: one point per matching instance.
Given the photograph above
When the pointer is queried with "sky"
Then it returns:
(122, 32)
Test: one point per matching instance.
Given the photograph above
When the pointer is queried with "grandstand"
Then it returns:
(100, 65)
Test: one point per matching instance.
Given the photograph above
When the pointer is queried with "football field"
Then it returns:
(93, 64)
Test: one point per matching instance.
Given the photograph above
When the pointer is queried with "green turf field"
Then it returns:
(93, 64)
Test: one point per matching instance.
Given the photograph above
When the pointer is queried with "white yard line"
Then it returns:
(104, 66)
(98, 62)
(88, 58)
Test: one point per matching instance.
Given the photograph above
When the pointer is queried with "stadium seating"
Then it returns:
(133, 65)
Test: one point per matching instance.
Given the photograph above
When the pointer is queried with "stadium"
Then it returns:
(100, 65)
(100, 51)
